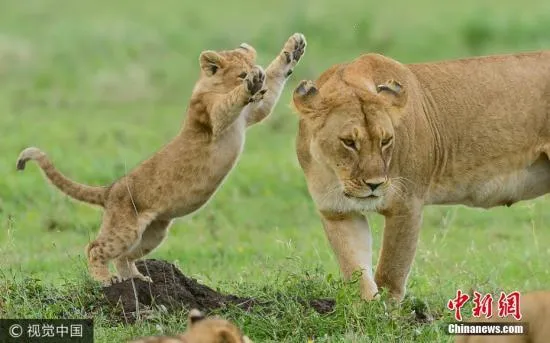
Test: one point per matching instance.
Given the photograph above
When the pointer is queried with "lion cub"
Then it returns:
(231, 94)
(202, 330)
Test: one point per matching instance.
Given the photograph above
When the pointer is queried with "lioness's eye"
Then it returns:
(242, 75)
(350, 143)
(386, 141)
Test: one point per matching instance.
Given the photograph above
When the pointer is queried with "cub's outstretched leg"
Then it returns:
(277, 73)
(151, 238)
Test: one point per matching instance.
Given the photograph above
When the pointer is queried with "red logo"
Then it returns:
(483, 305)
(509, 304)
(457, 303)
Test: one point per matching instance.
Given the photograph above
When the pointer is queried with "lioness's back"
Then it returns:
(494, 77)
(488, 94)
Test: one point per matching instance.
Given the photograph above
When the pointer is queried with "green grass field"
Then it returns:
(101, 85)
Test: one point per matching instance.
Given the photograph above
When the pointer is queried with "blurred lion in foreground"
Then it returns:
(535, 311)
(202, 330)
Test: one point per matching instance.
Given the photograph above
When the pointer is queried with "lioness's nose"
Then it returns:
(373, 186)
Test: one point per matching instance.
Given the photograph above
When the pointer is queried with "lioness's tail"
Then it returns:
(89, 194)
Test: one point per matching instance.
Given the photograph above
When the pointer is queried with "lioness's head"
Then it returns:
(224, 70)
(348, 122)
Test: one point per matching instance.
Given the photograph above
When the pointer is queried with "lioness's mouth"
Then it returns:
(370, 197)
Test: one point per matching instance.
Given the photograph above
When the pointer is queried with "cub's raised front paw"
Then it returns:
(258, 96)
(254, 82)
(293, 50)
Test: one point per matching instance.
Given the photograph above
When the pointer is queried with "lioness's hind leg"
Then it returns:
(120, 232)
(151, 238)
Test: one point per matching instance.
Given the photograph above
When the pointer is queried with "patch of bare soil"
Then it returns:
(173, 290)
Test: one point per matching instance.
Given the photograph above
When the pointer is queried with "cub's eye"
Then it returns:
(242, 75)
(349, 143)
(386, 141)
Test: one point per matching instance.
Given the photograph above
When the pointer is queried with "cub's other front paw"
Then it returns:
(293, 50)
(254, 82)
(258, 96)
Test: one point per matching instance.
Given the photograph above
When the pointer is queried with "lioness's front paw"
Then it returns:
(254, 82)
(369, 290)
(293, 50)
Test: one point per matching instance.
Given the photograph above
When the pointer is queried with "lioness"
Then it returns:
(231, 94)
(202, 330)
(535, 311)
(378, 135)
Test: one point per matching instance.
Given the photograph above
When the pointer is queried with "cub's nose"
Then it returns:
(373, 186)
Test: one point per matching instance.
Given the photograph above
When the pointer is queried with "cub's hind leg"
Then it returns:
(120, 232)
(151, 238)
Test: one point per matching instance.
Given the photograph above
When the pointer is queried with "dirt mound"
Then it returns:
(173, 290)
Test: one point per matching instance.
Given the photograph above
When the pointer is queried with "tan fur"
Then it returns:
(231, 94)
(471, 131)
(202, 330)
(535, 310)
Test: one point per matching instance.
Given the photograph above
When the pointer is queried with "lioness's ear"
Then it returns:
(305, 97)
(194, 316)
(394, 91)
(210, 62)
(248, 50)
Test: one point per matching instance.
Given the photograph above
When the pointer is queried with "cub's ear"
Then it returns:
(394, 92)
(226, 335)
(210, 62)
(194, 317)
(248, 50)
(306, 97)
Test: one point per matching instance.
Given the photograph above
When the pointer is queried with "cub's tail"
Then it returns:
(89, 194)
